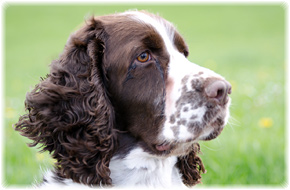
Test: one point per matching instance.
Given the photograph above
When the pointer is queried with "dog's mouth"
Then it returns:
(165, 146)
(174, 148)
(202, 131)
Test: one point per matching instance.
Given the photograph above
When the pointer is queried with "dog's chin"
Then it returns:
(184, 147)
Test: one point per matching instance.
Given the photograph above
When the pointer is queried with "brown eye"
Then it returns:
(144, 57)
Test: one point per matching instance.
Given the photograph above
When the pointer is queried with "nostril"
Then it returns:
(220, 94)
(218, 91)
(215, 89)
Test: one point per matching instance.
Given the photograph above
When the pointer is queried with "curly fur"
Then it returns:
(71, 116)
(70, 113)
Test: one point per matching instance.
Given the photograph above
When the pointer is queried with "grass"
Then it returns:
(244, 43)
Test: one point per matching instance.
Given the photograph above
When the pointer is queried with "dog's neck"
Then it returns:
(136, 167)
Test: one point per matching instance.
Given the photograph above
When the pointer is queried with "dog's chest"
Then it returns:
(139, 168)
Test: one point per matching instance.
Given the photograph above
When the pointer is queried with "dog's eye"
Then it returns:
(144, 57)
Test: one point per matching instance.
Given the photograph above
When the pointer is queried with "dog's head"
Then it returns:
(126, 72)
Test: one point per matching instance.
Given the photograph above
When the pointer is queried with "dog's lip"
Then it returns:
(168, 146)
(165, 146)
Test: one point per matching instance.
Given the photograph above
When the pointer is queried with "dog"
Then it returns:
(123, 106)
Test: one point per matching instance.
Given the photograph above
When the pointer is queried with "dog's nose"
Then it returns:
(218, 91)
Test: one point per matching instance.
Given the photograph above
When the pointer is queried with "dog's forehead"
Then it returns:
(141, 23)
(162, 26)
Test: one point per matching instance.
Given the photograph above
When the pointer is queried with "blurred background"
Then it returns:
(244, 43)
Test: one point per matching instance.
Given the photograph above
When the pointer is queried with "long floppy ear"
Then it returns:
(191, 166)
(70, 114)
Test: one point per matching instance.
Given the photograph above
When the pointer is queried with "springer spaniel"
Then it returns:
(123, 106)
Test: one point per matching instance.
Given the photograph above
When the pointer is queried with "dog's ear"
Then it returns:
(69, 112)
(191, 166)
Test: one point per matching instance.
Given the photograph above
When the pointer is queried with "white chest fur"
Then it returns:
(139, 168)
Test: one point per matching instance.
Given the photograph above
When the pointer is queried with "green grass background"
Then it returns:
(244, 43)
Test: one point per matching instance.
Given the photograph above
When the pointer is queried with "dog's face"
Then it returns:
(159, 96)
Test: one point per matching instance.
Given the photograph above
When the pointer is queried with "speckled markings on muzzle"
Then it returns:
(191, 115)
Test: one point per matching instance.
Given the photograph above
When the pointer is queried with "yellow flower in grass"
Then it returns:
(266, 122)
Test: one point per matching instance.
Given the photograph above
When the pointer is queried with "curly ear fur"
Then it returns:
(70, 114)
(191, 166)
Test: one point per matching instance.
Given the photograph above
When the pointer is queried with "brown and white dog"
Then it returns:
(123, 106)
